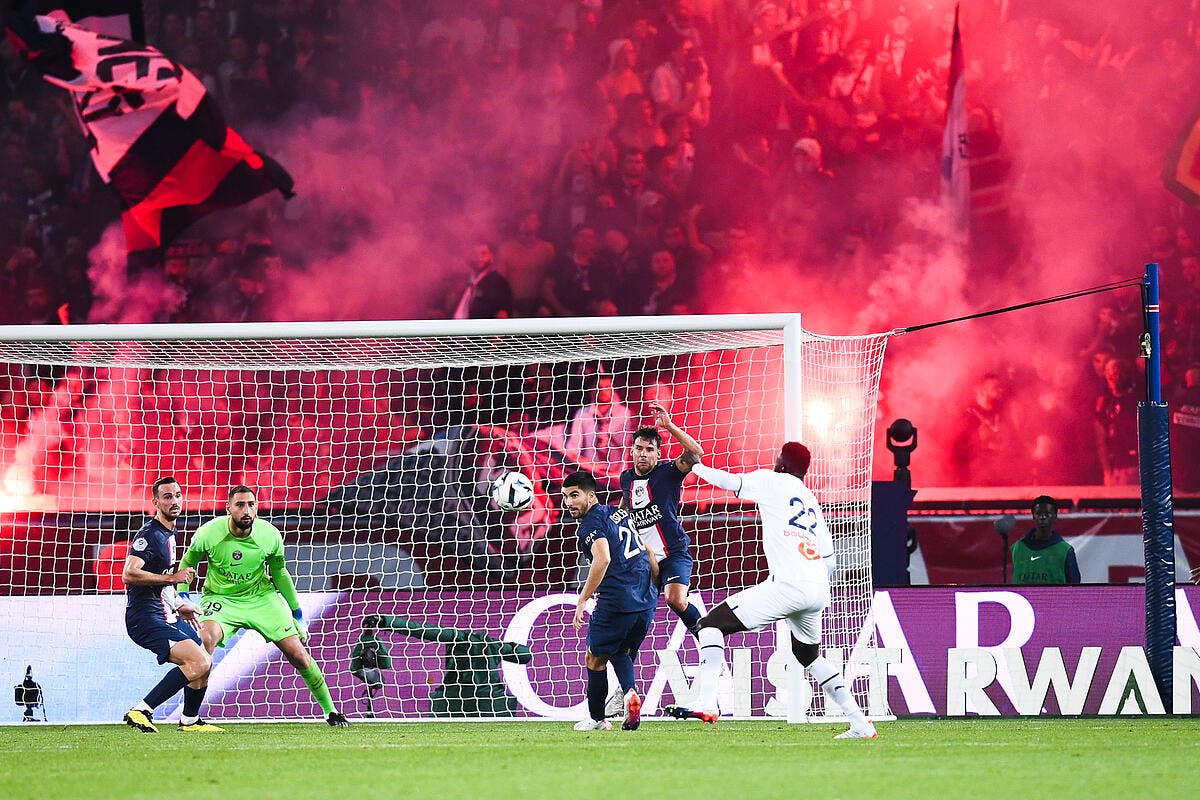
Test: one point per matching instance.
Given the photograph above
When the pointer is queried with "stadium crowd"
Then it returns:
(664, 147)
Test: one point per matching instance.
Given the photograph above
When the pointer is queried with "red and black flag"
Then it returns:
(157, 137)
(1181, 173)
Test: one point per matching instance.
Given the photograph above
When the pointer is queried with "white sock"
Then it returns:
(712, 664)
(184, 720)
(834, 686)
(142, 706)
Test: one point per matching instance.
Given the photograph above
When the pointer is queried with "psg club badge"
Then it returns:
(237, 555)
(641, 494)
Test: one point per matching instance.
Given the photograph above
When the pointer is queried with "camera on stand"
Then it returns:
(28, 693)
(368, 659)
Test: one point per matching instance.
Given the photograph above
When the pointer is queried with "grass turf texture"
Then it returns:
(939, 759)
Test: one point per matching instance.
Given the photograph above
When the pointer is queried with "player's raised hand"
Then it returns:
(185, 575)
(661, 418)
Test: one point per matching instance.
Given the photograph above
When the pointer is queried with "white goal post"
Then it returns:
(372, 446)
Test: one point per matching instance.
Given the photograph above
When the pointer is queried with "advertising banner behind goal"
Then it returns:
(464, 655)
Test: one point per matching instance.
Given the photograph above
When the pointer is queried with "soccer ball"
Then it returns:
(513, 491)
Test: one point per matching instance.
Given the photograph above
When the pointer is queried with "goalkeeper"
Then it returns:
(471, 684)
(248, 586)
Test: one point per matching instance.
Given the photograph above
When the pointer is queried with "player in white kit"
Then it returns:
(801, 561)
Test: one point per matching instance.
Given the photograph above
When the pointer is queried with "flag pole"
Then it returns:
(956, 178)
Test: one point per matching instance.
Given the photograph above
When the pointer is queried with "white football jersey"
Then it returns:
(795, 536)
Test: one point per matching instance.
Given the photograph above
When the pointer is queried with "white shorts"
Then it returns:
(772, 600)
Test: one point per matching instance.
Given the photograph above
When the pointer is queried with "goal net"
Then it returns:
(372, 447)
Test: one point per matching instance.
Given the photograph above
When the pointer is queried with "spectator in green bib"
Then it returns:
(1042, 556)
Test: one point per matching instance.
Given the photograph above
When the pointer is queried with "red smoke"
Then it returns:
(1078, 116)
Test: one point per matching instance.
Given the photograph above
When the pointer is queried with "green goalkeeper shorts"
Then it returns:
(266, 613)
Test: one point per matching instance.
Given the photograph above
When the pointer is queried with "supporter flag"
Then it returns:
(1181, 173)
(157, 137)
(120, 18)
(956, 176)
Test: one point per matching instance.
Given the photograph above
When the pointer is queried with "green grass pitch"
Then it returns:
(932, 759)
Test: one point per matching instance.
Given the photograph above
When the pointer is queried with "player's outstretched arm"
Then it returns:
(692, 451)
(719, 478)
(133, 574)
(430, 633)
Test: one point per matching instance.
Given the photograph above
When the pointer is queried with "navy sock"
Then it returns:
(691, 618)
(623, 666)
(171, 683)
(597, 692)
(191, 700)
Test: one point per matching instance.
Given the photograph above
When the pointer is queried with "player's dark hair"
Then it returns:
(239, 489)
(650, 434)
(583, 479)
(163, 481)
(1045, 498)
(795, 458)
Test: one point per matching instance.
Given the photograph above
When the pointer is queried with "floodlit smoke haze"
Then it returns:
(1072, 118)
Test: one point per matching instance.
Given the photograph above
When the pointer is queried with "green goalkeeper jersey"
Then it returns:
(239, 566)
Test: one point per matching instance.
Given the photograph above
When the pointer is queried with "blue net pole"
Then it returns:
(1153, 357)
(1158, 516)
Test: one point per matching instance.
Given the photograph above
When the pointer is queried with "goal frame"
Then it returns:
(793, 337)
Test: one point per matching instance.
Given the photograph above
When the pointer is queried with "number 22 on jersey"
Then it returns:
(805, 521)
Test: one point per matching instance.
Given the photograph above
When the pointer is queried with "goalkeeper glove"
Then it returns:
(301, 625)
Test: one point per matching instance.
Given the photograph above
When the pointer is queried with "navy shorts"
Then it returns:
(157, 635)
(676, 568)
(611, 632)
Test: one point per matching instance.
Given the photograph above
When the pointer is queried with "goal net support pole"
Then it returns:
(1158, 527)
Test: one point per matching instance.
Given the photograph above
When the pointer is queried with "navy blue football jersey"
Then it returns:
(653, 502)
(154, 544)
(626, 585)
